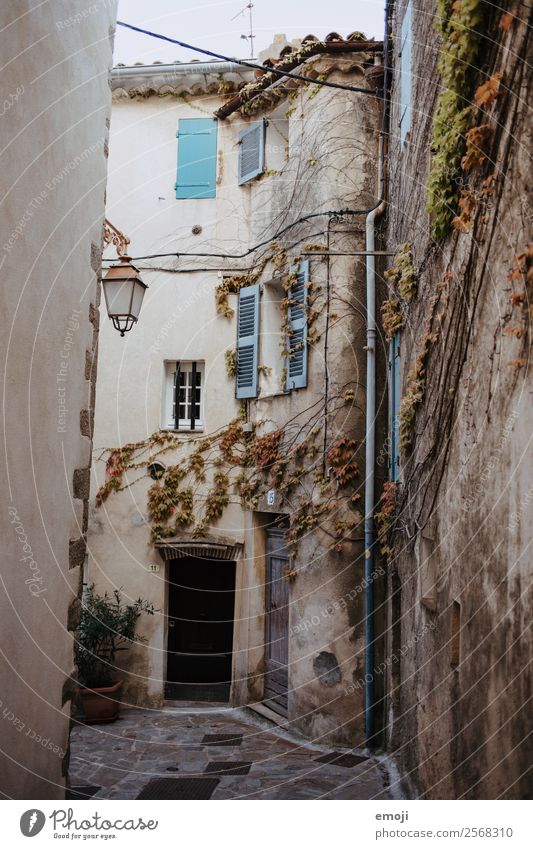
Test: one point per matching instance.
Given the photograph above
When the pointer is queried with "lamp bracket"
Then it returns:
(114, 236)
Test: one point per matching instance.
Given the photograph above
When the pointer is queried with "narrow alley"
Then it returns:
(267, 422)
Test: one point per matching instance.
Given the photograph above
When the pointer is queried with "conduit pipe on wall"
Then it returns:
(370, 431)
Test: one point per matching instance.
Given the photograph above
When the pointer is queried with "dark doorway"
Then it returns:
(276, 622)
(201, 599)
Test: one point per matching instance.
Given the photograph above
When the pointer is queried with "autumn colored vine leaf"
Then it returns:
(506, 21)
(476, 138)
(385, 515)
(522, 268)
(516, 331)
(340, 458)
(488, 185)
(517, 298)
(488, 92)
(467, 204)
(392, 318)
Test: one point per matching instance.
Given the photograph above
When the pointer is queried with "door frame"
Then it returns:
(237, 563)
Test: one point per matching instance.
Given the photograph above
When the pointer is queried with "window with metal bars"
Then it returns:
(184, 391)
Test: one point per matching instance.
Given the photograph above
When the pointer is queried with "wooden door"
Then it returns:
(276, 623)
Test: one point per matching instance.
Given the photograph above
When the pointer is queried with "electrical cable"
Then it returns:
(178, 254)
(253, 65)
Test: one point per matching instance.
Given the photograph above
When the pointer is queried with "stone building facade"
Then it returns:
(252, 253)
(459, 587)
(55, 120)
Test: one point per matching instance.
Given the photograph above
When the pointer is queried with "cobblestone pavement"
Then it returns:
(121, 758)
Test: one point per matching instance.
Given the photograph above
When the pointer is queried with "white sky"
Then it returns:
(208, 24)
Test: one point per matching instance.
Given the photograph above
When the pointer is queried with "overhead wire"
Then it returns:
(254, 65)
(303, 219)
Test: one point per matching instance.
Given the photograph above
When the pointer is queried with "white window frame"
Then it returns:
(167, 419)
(272, 339)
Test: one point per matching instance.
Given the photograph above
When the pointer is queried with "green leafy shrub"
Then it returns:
(107, 625)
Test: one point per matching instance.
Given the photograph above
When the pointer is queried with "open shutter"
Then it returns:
(247, 342)
(405, 74)
(395, 397)
(296, 365)
(251, 152)
(197, 158)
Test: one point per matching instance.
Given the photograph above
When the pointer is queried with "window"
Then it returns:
(251, 152)
(183, 395)
(272, 338)
(247, 341)
(405, 74)
(394, 407)
(197, 158)
(296, 365)
(272, 342)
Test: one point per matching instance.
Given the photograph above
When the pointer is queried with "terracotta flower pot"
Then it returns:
(101, 704)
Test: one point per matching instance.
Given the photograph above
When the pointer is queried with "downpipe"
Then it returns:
(370, 456)
(370, 427)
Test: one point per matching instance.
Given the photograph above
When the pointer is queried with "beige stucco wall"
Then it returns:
(332, 165)
(53, 139)
(332, 148)
(178, 321)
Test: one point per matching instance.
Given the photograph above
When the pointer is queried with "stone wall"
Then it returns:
(460, 577)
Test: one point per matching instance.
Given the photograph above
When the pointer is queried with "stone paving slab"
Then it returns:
(122, 757)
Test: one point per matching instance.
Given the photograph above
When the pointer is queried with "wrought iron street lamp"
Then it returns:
(124, 292)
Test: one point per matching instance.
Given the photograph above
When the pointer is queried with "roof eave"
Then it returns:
(321, 48)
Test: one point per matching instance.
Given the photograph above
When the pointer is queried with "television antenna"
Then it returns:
(250, 35)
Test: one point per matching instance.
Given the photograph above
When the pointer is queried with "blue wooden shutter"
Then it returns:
(251, 152)
(247, 342)
(405, 74)
(395, 398)
(296, 364)
(197, 158)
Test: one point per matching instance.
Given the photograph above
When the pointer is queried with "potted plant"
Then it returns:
(107, 625)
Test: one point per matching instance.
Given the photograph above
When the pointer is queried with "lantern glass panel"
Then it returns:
(118, 296)
(138, 296)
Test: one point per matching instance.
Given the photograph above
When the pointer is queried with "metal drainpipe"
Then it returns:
(370, 435)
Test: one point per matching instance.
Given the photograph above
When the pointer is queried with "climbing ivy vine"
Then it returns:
(461, 25)
(247, 465)
(403, 287)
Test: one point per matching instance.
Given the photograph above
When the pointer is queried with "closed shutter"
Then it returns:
(296, 365)
(251, 152)
(197, 158)
(395, 398)
(405, 74)
(247, 342)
